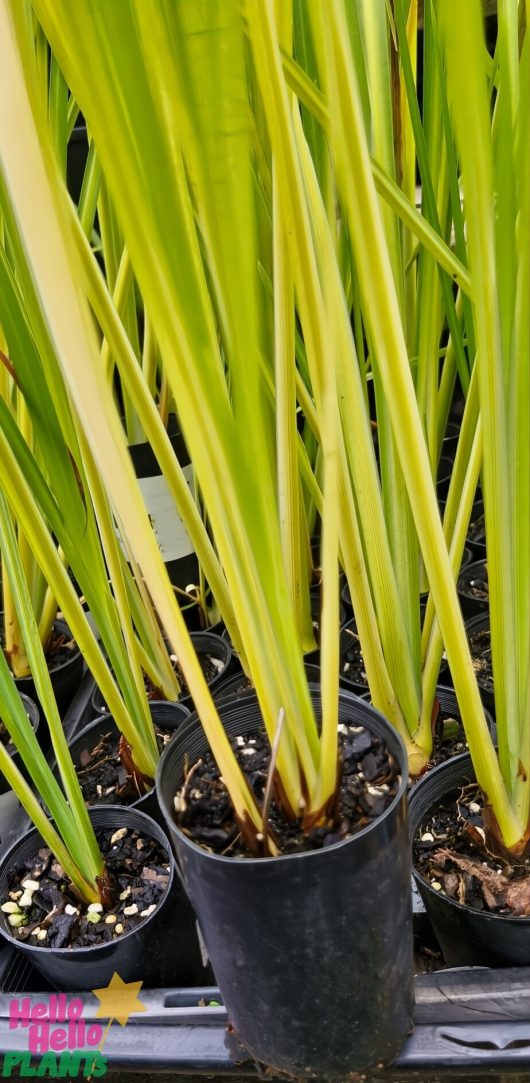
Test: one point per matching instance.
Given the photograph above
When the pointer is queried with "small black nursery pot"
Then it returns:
(313, 657)
(206, 644)
(476, 535)
(312, 952)
(450, 440)
(473, 590)
(467, 937)
(166, 716)
(32, 712)
(66, 670)
(132, 955)
(443, 479)
(352, 676)
(479, 639)
(238, 684)
(446, 705)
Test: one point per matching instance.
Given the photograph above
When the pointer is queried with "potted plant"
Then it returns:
(68, 505)
(205, 308)
(66, 898)
(494, 161)
(219, 432)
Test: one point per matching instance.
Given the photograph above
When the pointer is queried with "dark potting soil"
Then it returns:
(210, 666)
(102, 775)
(451, 854)
(352, 662)
(476, 585)
(139, 873)
(480, 647)
(369, 780)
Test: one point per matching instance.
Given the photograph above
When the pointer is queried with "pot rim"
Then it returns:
(75, 655)
(85, 951)
(106, 717)
(253, 862)
(466, 571)
(465, 760)
(199, 640)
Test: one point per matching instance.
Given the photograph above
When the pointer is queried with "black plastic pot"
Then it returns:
(450, 440)
(469, 603)
(357, 687)
(238, 683)
(360, 688)
(313, 657)
(33, 714)
(312, 952)
(131, 955)
(467, 557)
(467, 937)
(76, 159)
(65, 677)
(449, 706)
(481, 623)
(443, 478)
(164, 714)
(182, 569)
(346, 600)
(204, 643)
(478, 548)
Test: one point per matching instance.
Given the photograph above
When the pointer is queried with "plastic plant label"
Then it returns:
(171, 534)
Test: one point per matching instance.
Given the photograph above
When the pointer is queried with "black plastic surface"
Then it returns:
(339, 914)
(471, 1021)
(468, 937)
(129, 954)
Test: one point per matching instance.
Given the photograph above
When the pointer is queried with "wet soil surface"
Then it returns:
(480, 647)
(451, 853)
(369, 780)
(474, 583)
(102, 775)
(51, 915)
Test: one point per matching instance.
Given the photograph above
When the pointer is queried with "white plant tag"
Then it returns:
(171, 534)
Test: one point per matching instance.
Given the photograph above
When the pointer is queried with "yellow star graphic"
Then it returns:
(119, 999)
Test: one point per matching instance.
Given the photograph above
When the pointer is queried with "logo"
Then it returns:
(58, 1042)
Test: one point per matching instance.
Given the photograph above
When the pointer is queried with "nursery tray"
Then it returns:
(465, 1020)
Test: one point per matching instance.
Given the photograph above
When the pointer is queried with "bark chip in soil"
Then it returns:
(369, 780)
(452, 855)
(43, 909)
